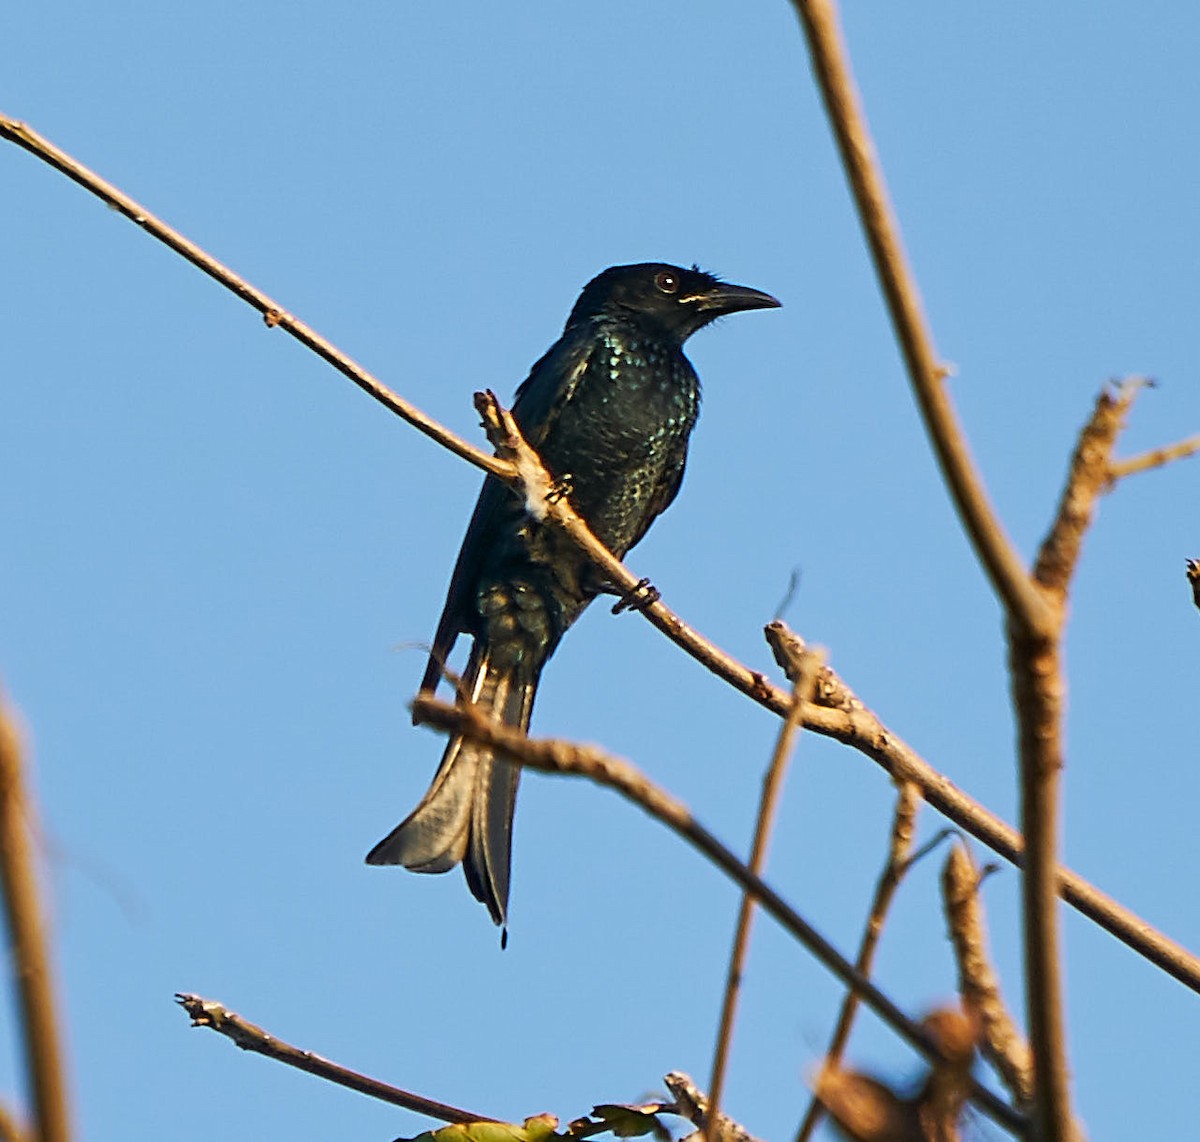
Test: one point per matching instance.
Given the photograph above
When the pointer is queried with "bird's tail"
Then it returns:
(466, 815)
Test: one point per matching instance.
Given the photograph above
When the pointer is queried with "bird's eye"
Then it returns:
(666, 282)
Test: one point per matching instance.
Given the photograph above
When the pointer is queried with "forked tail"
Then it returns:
(466, 815)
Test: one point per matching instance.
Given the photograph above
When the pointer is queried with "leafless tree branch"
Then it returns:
(839, 713)
(273, 313)
(862, 731)
(904, 824)
(248, 1036)
(1155, 458)
(701, 1112)
(10, 1128)
(551, 756)
(807, 671)
(30, 951)
(831, 65)
(1039, 688)
(1004, 1045)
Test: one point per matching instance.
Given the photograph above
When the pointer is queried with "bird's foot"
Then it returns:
(640, 596)
(561, 488)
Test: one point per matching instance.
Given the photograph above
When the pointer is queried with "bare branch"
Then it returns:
(248, 1036)
(1155, 458)
(807, 671)
(1004, 1046)
(1039, 688)
(791, 653)
(702, 1113)
(904, 824)
(839, 713)
(552, 756)
(1087, 479)
(10, 1128)
(867, 735)
(31, 957)
(995, 550)
(273, 313)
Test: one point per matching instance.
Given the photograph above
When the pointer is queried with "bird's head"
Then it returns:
(667, 300)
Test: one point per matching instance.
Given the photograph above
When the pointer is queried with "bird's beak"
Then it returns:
(725, 298)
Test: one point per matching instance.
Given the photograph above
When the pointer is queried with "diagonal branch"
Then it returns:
(995, 550)
(561, 757)
(250, 1037)
(842, 716)
(853, 726)
(273, 313)
(806, 670)
(30, 954)
(10, 1128)
(1155, 458)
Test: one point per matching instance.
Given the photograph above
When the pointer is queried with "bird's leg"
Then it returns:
(640, 596)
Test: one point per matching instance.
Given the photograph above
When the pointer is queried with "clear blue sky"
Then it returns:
(216, 552)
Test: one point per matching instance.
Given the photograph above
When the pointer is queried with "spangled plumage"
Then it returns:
(609, 409)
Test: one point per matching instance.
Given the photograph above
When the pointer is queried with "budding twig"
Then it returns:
(250, 1037)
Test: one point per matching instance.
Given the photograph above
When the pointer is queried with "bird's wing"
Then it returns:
(551, 383)
(549, 386)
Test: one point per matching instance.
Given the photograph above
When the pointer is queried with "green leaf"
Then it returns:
(539, 1128)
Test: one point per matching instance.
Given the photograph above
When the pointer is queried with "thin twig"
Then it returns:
(273, 313)
(1155, 458)
(835, 79)
(701, 1112)
(1003, 1045)
(248, 1036)
(806, 678)
(10, 1128)
(863, 732)
(904, 823)
(1039, 689)
(551, 756)
(30, 951)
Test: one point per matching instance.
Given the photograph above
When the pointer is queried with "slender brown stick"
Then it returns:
(1155, 458)
(248, 1036)
(806, 677)
(863, 732)
(559, 757)
(702, 1112)
(1039, 687)
(274, 314)
(30, 951)
(904, 824)
(835, 79)
(1003, 1045)
(10, 1129)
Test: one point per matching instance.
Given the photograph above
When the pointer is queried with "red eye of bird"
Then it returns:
(667, 282)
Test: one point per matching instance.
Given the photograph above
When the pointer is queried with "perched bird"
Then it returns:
(609, 409)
